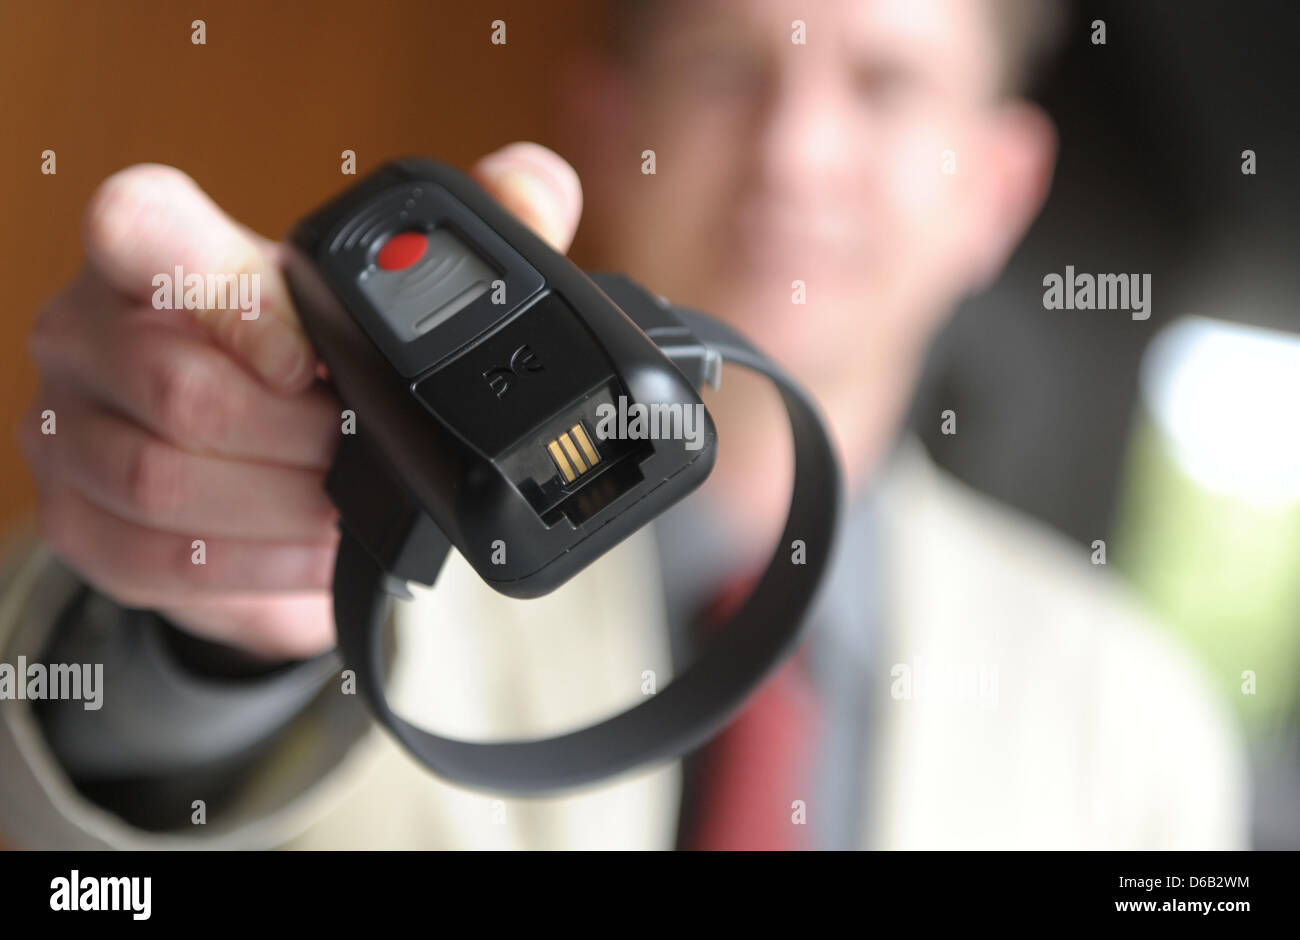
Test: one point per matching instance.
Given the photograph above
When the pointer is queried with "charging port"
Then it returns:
(566, 473)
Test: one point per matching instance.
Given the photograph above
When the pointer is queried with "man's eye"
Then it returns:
(721, 71)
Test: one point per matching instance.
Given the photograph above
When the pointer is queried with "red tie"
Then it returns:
(754, 772)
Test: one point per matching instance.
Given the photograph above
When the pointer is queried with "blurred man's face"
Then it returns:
(870, 164)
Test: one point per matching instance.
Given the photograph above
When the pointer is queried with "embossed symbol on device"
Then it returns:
(501, 379)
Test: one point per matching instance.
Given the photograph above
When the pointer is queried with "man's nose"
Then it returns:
(810, 138)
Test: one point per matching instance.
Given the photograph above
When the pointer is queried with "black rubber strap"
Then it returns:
(695, 705)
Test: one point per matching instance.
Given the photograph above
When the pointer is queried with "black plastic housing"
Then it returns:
(438, 440)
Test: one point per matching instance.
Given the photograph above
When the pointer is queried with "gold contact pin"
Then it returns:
(580, 435)
(557, 454)
(572, 450)
(573, 453)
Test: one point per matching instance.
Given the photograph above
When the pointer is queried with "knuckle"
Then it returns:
(224, 325)
(190, 402)
(151, 479)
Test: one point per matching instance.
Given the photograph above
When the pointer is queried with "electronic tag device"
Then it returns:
(483, 368)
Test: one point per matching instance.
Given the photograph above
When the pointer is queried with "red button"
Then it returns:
(402, 251)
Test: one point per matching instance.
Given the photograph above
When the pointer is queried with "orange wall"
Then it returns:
(258, 116)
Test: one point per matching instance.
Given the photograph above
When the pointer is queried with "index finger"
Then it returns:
(154, 235)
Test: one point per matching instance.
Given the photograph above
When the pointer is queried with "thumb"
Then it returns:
(146, 221)
(537, 185)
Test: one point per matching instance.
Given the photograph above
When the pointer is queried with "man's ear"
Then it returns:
(1021, 157)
